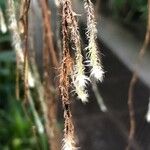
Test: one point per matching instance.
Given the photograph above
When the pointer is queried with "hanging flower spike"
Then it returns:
(80, 81)
(93, 54)
(65, 73)
(79, 78)
(69, 142)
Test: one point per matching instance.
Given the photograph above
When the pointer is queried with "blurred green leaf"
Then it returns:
(5, 38)
(130, 10)
(7, 56)
(118, 3)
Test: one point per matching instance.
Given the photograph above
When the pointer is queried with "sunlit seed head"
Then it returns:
(97, 72)
(82, 94)
(81, 80)
(68, 143)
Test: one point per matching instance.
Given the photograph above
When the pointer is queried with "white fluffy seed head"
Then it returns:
(82, 94)
(93, 55)
(81, 80)
(97, 72)
(68, 143)
(95, 61)
(80, 84)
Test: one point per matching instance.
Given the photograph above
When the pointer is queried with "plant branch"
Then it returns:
(133, 83)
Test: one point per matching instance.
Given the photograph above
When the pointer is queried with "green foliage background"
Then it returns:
(130, 10)
(17, 129)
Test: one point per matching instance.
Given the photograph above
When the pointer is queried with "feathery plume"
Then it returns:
(69, 139)
(68, 143)
(65, 72)
(93, 54)
(79, 78)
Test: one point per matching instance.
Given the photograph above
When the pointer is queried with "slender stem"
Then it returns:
(49, 61)
(133, 82)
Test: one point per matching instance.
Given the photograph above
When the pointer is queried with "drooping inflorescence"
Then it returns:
(65, 72)
(79, 79)
(94, 60)
(73, 68)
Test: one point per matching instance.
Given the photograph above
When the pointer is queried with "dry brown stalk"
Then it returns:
(17, 90)
(47, 25)
(79, 79)
(17, 44)
(64, 89)
(65, 72)
(48, 54)
(24, 18)
(133, 81)
(51, 121)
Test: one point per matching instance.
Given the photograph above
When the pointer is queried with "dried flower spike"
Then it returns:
(69, 140)
(65, 72)
(79, 78)
(93, 54)
(68, 143)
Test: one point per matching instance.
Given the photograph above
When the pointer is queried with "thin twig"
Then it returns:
(50, 99)
(17, 44)
(25, 4)
(38, 122)
(25, 25)
(17, 90)
(47, 25)
(133, 82)
(99, 98)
